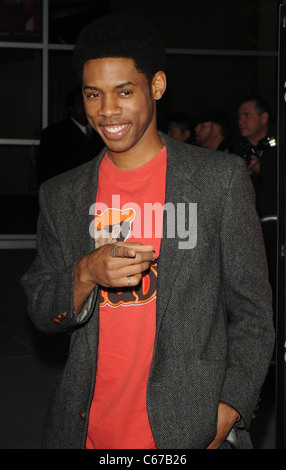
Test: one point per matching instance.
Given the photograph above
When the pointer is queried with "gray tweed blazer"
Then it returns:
(214, 337)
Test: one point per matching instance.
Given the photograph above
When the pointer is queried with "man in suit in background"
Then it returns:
(69, 143)
(171, 325)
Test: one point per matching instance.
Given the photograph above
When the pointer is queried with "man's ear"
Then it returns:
(217, 128)
(186, 134)
(264, 117)
(159, 83)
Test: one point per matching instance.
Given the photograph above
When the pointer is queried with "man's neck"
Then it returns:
(254, 140)
(137, 156)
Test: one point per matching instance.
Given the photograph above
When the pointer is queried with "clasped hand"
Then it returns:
(112, 269)
(122, 267)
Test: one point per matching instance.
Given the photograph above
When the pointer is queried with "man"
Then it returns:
(212, 129)
(68, 143)
(180, 362)
(258, 148)
(180, 126)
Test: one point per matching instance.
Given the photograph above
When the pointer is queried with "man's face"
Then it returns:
(251, 124)
(175, 131)
(118, 102)
(204, 133)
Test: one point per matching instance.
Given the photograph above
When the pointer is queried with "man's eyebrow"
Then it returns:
(117, 87)
(89, 87)
(122, 85)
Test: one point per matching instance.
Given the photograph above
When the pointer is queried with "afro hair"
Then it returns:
(121, 36)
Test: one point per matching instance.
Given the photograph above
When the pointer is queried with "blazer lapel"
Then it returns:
(84, 196)
(81, 216)
(180, 188)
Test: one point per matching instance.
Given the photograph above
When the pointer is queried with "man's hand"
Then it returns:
(226, 418)
(108, 266)
(254, 164)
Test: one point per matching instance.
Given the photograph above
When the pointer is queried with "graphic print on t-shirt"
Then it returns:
(113, 225)
(116, 225)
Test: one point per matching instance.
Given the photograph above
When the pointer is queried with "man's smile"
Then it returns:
(114, 131)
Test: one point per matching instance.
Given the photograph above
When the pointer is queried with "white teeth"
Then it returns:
(115, 129)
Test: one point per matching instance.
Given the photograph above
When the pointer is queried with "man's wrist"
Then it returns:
(235, 411)
(82, 284)
(82, 274)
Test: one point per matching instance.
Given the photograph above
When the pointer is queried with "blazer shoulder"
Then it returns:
(72, 182)
(219, 170)
(218, 161)
(188, 157)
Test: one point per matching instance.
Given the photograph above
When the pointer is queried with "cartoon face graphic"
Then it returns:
(113, 225)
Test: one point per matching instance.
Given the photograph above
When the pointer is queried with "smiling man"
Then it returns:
(120, 106)
(170, 343)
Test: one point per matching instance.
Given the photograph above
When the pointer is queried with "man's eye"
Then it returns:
(92, 95)
(126, 92)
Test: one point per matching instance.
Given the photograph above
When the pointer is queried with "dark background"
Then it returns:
(218, 53)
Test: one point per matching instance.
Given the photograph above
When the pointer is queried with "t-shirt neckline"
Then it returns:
(133, 175)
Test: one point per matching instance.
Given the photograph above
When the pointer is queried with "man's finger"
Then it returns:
(130, 250)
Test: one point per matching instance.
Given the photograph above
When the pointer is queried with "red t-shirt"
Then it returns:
(127, 317)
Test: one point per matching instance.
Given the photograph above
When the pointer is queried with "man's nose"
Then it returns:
(241, 119)
(109, 107)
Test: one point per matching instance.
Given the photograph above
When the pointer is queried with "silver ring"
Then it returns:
(128, 281)
(113, 251)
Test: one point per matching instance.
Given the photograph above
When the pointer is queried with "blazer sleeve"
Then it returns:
(247, 296)
(48, 284)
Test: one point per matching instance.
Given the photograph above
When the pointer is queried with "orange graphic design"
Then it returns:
(115, 225)
(141, 294)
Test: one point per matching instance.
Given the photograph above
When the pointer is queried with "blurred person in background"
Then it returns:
(68, 143)
(212, 129)
(180, 126)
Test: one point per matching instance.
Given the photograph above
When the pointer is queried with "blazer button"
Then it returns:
(57, 320)
(82, 415)
(63, 315)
